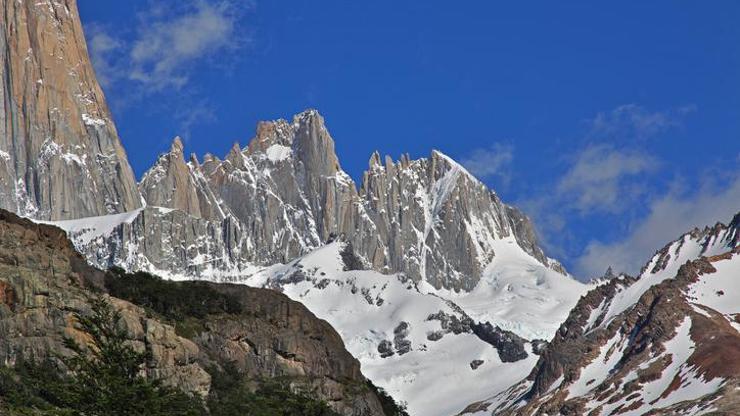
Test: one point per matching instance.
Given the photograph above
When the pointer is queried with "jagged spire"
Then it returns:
(375, 160)
(194, 160)
(177, 147)
(609, 273)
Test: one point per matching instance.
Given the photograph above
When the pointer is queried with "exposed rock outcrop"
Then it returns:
(172, 183)
(44, 281)
(666, 343)
(282, 196)
(510, 346)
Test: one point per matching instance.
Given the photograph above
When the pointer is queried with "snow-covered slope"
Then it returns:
(440, 361)
(667, 342)
(517, 293)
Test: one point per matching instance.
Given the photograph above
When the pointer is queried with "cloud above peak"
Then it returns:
(167, 44)
(604, 178)
(491, 162)
(671, 214)
(615, 175)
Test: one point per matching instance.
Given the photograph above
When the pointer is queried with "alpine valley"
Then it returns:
(419, 278)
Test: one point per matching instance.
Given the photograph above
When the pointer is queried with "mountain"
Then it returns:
(285, 195)
(192, 331)
(448, 266)
(437, 287)
(434, 246)
(664, 343)
(60, 156)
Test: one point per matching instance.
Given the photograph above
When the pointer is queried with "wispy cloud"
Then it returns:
(669, 216)
(614, 177)
(631, 121)
(168, 43)
(103, 48)
(198, 113)
(492, 162)
(604, 179)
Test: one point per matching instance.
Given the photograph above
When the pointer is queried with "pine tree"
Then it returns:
(107, 373)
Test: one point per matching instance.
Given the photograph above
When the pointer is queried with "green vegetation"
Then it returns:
(104, 377)
(173, 300)
(390, 407)
(184, 305)
(232, 397)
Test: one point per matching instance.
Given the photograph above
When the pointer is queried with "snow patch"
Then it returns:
(278, 153)
(92, 121)
(85, 230)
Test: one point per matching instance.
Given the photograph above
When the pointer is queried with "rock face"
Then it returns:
(44, 281)
(285, 195)
(60, 156)
(171, 183)
(667, 343)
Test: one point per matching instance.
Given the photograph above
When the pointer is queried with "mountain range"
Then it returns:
(433, 283)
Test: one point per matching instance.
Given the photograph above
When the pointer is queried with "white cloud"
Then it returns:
(631, 121)
(166, 47)
(604, 179)
(613, 178)
(494, 161)
(102, 49)
(168, 43)
(669, 216)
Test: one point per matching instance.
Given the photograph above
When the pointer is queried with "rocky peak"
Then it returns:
(235, 156)
(172, 183)
(420, 209)
(60, 156)
(313, 146)
(428, 218)
(271, 133)
(733, 234)
(375, 161)
(177, 148)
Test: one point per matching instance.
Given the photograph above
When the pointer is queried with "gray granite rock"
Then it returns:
(60, 155)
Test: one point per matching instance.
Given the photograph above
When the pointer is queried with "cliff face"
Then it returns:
(60, 156)
(44, 281)
(665, 343)
(285, 195)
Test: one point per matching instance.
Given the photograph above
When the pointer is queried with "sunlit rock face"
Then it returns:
(60, 156)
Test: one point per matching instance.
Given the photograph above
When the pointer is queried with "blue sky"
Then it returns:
(615, 126)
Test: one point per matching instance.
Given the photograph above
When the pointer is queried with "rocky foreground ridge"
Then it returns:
(44, 282)
(665, 343)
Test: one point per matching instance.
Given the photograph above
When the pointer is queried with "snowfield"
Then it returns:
(434, 378)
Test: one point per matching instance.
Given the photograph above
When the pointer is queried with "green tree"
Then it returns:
(107, 374)
(230, 396)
